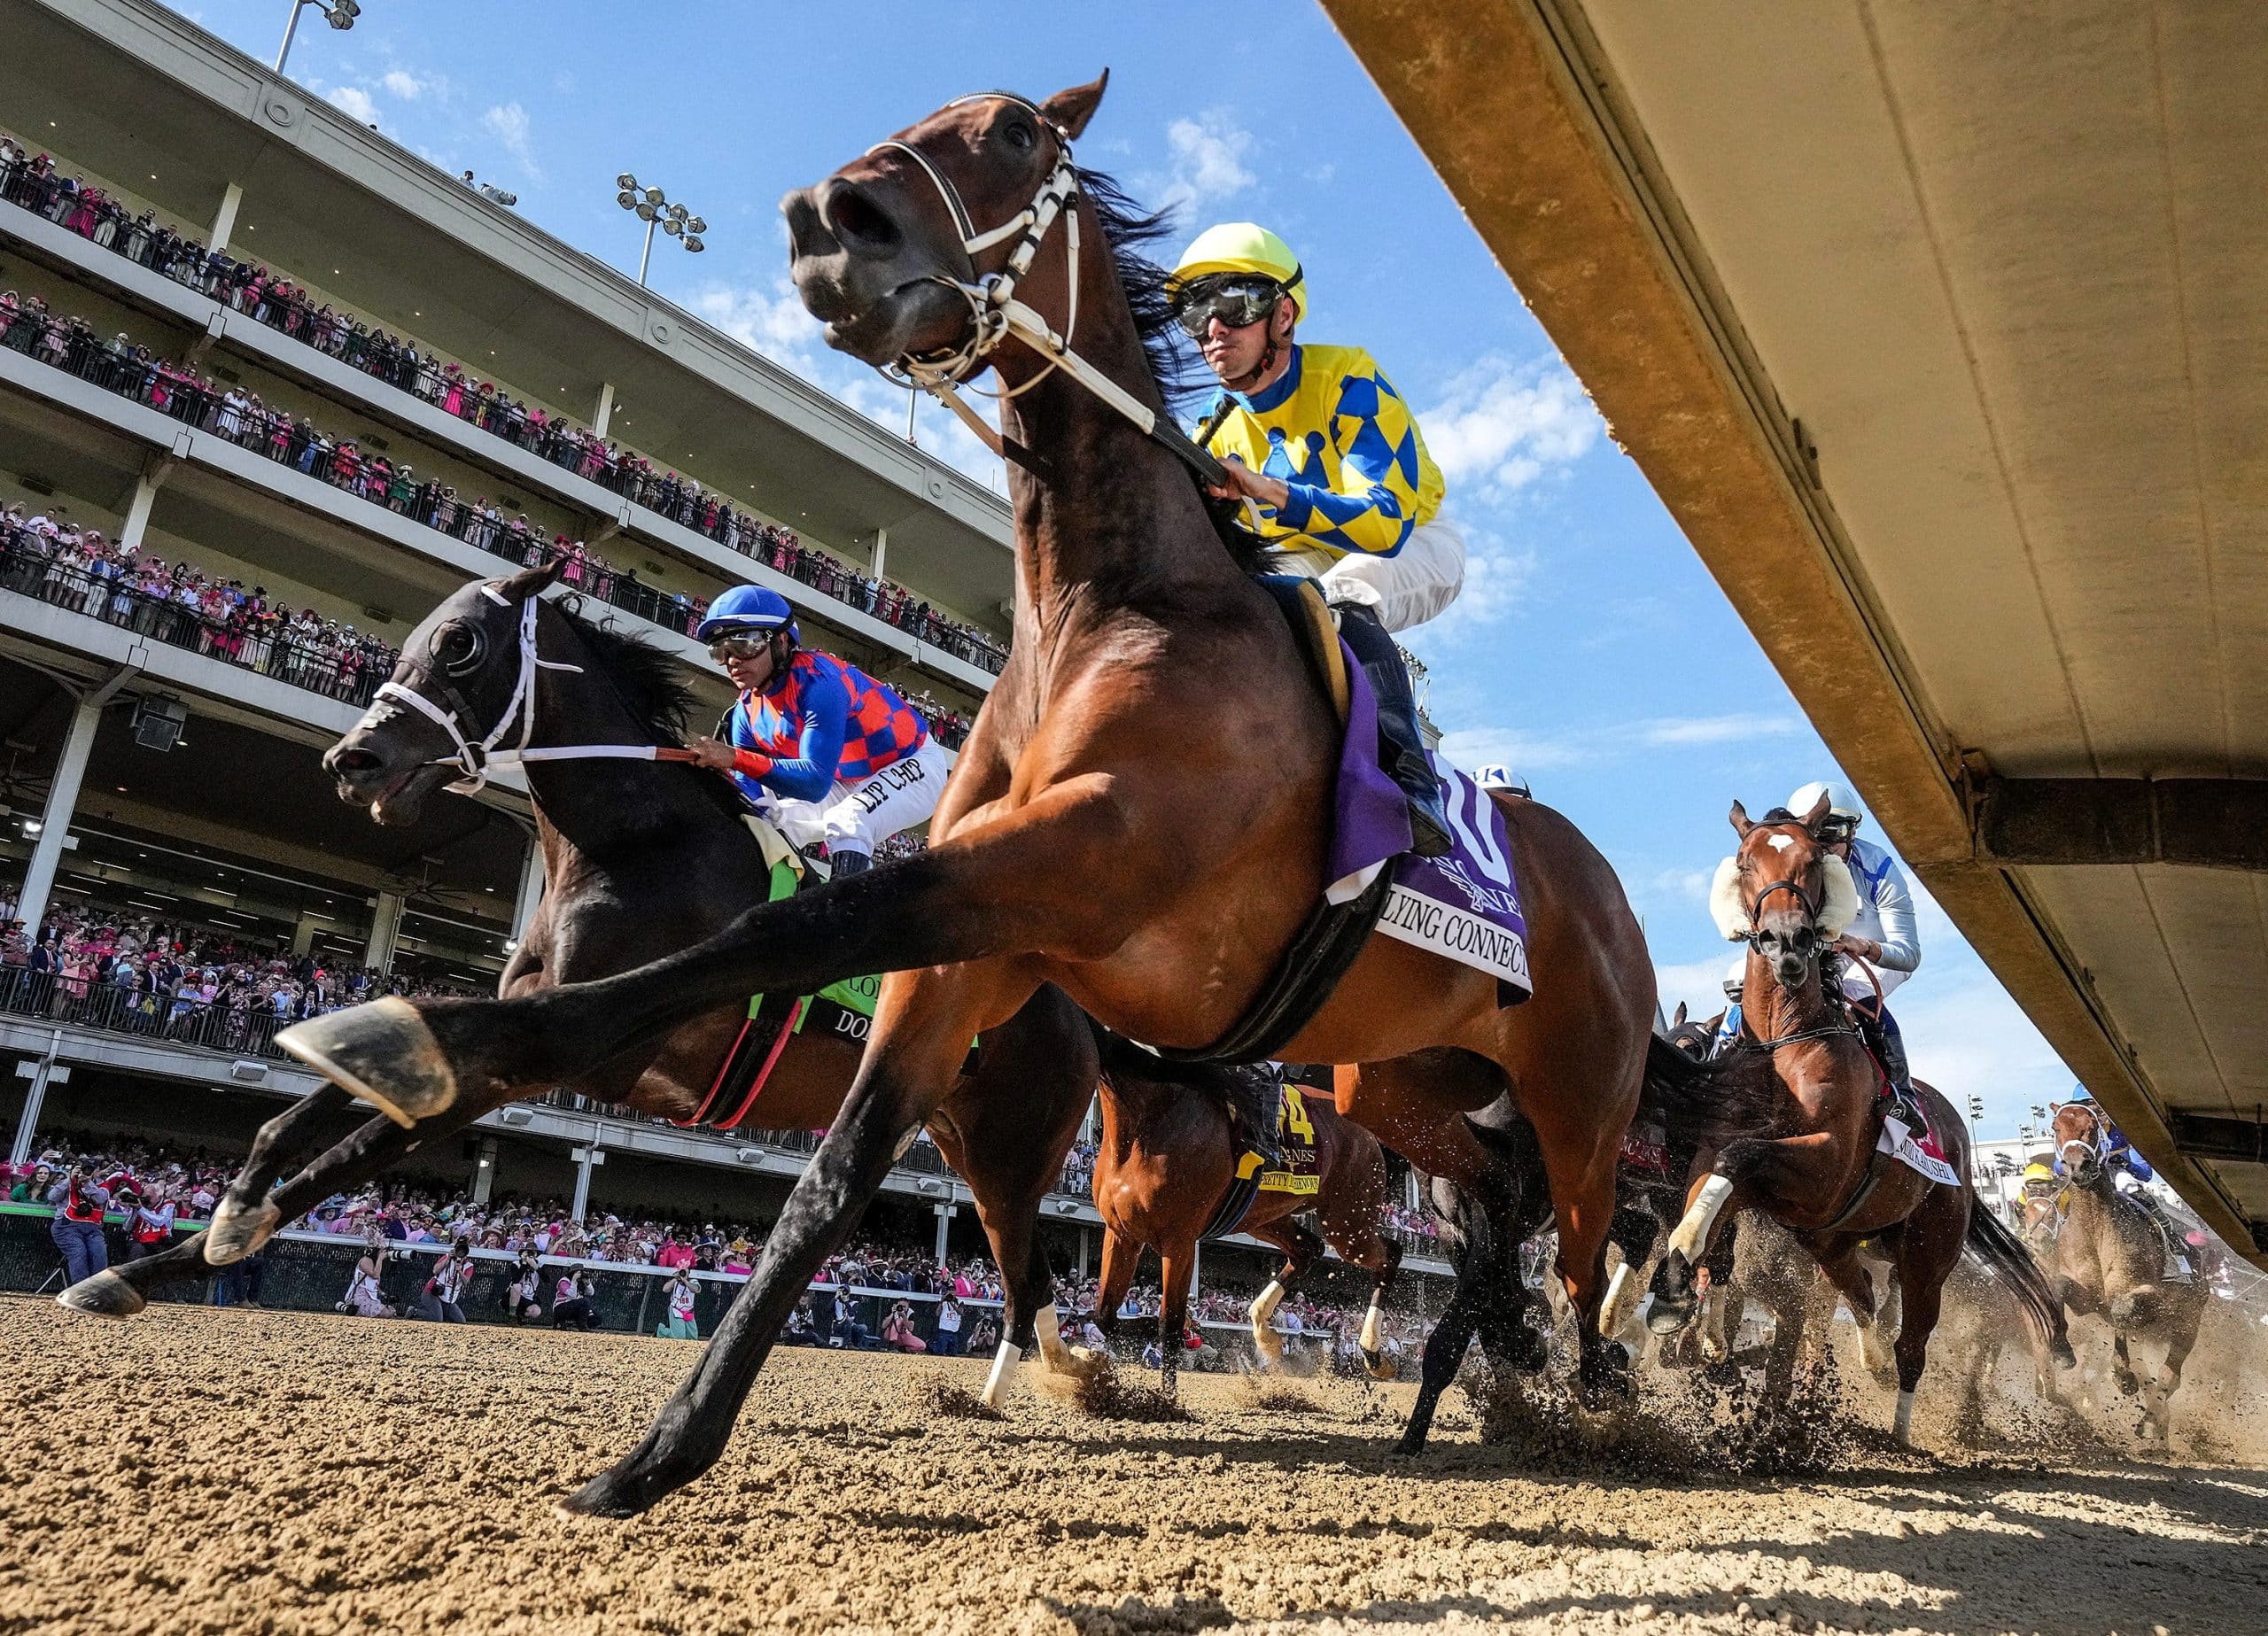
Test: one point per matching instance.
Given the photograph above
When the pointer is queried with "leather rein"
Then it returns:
(995, 313)
(1794, 889)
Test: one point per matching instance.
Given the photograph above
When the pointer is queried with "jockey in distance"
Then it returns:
(829, 754)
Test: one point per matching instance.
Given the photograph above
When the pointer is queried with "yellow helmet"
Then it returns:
(1242, 247)
(2039, 1170)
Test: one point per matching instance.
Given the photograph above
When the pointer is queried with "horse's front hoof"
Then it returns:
(2065, 1358)
(1412, 1446)
(105, 1295)
(1085, 1362)
(1668, 1315)
(2130, 1385)
(1605, 1377)
(384, 1053)
(628, 1490)
(236, 1232)
(1378, 1366)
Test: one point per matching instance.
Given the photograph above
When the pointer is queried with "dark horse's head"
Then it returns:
(1783, 892)
(2078, 1141)
(464, 663)
(877, 248)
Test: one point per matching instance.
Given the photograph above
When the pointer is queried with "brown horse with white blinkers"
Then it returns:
(1797, 1124)
(1141, 816)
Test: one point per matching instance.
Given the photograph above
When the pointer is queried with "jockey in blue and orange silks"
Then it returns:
(828, 752)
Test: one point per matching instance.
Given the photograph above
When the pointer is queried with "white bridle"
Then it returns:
(478, 758)
(995, 312)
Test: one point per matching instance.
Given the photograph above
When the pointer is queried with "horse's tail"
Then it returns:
(1993, 1244)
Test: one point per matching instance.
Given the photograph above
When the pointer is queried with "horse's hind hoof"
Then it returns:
(383, 1052)
(2065, 1358)
(105, 1295)
(236, 1232)
(1669, 1314)
(1377, 1367)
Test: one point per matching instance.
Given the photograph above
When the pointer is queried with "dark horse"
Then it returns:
(1794, 1108)
(643, 858)
(1140, 817)
(1166, 1161)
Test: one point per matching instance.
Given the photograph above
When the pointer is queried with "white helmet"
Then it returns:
(1737, 975)
(1841, 803)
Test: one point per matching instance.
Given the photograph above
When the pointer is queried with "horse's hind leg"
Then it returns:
(1302, 1249)
(1382, 1282)
(1444, 1355)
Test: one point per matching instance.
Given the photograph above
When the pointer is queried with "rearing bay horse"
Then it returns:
(1140, 817)
(642, 856)
(1798, 1119)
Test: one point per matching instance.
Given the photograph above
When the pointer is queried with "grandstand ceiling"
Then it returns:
(1942, 331)
(322, 193)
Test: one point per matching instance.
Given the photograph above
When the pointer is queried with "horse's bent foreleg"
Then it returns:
(1177, 1265)
(995, 889)
(1300, 1247)
(1370, 1338)
(921, 1032)
(123, 1290)
(246, 1215)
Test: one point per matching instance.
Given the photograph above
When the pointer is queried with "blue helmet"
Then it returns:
(747, 609)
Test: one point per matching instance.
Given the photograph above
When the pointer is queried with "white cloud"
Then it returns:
(776, 324)
(1206, 161)
(1501, 425)
(1700, 984)
(355, 103)
(508, 122)
(1529, 752)
(408, 87)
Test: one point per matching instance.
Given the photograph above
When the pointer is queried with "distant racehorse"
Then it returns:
(1166, 1162)
(1791, 1115)
(2111, 1260)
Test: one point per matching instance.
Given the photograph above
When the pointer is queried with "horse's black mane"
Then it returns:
(653, 684)
(1180, 374)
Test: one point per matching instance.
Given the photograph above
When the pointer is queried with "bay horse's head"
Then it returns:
(457, 690)
(885, 250)
(1783, 893)
(2078, 1141)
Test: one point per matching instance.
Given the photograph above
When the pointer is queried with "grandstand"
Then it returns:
(271, 387)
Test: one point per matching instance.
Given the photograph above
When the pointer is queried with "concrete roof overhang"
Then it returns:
(1941, 331)
(123, 79)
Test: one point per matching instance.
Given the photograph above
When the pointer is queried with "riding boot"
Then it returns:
(1402, 746)
(1889, 1046)
(1255, 1100)
(846, 864)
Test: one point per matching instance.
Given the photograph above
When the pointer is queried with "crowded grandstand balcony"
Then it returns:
(255, 317)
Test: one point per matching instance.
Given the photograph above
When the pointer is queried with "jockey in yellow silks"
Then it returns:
(1329, 454)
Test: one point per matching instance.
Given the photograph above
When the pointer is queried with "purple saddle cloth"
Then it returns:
(1465, 907)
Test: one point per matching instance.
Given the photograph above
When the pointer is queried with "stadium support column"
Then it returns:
(585, 1157)
(47, 1071)
(882, 552)
(606, 408)
(945, 1214)
(484, 1170)
(224, 220)
(385, 926)
(63, 797)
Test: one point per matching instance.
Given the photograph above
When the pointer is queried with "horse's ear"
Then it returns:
(1069, 111)
(1677, 1016)
(528, 581)
(1740, 819)
(1814, 819)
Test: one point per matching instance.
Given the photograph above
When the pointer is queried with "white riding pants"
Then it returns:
(858, 817)
(1415, 583)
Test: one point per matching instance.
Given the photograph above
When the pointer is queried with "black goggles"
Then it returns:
(1834, 829)
(741, 646)
(1236, 300)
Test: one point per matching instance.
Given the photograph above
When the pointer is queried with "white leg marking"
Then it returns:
(1049, 1331)
(1615, 1311)
(1269, 1346)
(1693, 1229)
(996, 1385)
(1367, 1340)
(1905, 1427)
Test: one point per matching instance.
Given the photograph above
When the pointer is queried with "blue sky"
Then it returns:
(1590, 651)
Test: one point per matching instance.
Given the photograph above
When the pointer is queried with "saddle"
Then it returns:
(1334, 933)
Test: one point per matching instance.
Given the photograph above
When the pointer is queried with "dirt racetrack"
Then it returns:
(200, 1471)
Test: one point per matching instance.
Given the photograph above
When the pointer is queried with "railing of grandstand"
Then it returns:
(349, 672)
(259, 295)
(81, 1002)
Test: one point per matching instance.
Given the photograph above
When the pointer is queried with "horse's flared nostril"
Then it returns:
(350, 762)
(858, 224)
